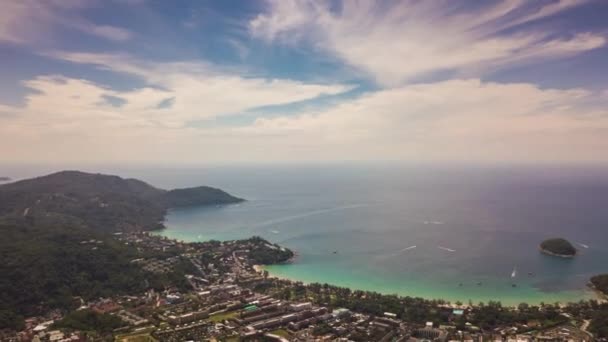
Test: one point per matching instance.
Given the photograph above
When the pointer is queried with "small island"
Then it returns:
(558, 247)
(5, 179)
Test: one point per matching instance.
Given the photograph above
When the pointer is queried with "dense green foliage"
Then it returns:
(599, 323)
(600, 282)
(202, 195)
(558, 246)
(102, 202)
(88, 320)
(54, 243)
(45, 266)
(264, 253)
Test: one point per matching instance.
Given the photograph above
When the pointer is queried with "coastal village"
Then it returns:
(227, 296)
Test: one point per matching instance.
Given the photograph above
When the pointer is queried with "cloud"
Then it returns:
(395, 42)
(199, 90)
(459, 120)
(30, 22)
(108, 32)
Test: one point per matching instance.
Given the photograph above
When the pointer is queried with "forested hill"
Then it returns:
(102, 202)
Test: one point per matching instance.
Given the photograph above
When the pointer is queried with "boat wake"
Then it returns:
(582, 245)
(446, 249)
(306, 214)
(407, 249)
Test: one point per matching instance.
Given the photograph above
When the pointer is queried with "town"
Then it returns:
(226, 295)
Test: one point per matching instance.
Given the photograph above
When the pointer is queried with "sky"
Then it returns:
(194, 82)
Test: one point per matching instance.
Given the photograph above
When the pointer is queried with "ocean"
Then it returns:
(460, 233)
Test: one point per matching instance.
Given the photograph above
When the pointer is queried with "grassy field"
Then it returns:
(222, 316)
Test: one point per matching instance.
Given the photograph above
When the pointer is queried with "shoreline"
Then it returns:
(594, 294)
(548, 252)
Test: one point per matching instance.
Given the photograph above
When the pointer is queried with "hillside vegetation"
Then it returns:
(558, 246)
(101, 202)
(55, 241)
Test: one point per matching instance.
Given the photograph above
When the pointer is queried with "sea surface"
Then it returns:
(452, 232)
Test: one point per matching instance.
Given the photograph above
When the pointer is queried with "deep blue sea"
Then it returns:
(452, 232)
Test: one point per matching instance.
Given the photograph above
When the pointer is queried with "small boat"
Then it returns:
(335, 252)
(514, 273)
(530, 273)
(513, 285)
(460, 284)
(479, 284)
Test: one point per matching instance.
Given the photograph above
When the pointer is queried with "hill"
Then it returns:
(55, 242)
(558, 247)
(102, 202)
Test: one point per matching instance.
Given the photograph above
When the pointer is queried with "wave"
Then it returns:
(433, 222)
(407, 249)
(446, 249)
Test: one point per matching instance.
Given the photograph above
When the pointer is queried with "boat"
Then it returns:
(514, 273)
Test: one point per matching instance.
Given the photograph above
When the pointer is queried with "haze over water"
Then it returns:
(357, 225)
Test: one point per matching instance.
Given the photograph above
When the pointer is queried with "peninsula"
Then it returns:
(104, 203)
(558, 247)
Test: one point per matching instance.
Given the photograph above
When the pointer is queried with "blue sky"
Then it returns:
(267, 81)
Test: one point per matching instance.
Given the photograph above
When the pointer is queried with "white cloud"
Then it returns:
(464, 120)
(200, 91)
(397, 41)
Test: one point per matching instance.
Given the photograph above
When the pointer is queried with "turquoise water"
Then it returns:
(356, 226)
(470, 225)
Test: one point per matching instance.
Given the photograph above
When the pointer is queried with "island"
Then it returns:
(558, 247)
(5, 179)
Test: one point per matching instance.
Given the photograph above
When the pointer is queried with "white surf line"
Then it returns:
(582, 245)
(446, 249)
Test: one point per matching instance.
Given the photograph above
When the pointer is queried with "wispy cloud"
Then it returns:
(31, 22)
(397, 41)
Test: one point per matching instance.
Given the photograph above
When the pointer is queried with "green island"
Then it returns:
(558, 247)
(78, 261)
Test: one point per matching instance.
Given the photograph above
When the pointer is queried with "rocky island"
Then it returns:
(558, 247)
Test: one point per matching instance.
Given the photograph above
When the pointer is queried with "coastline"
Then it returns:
(548, 252)
(420, 289)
